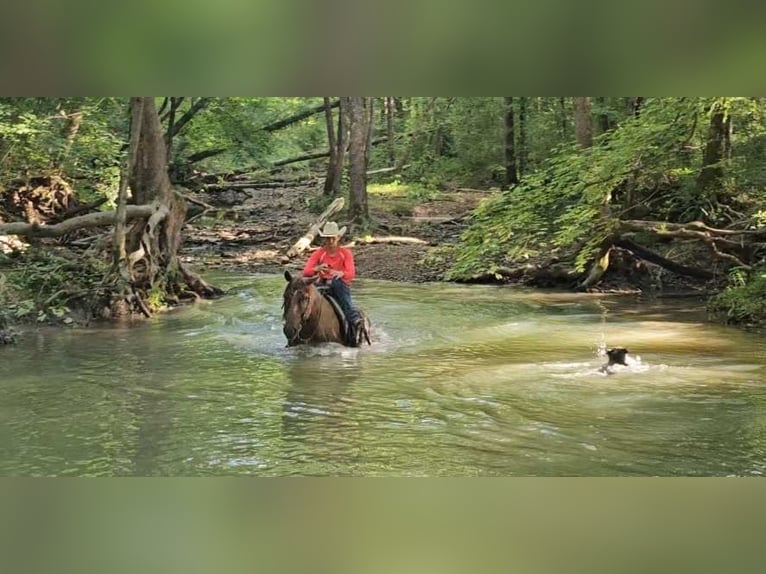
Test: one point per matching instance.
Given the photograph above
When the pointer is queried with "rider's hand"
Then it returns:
(321, 268)
(337, 274)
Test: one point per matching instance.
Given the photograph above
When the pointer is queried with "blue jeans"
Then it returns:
(338, 289)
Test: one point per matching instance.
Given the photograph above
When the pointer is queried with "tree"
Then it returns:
(523, 149)
(511, 175)
(583, 122)
(151, 246)
(717, 143)
(332, 163)
(357, 149)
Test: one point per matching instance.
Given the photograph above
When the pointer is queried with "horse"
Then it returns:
(309, 317)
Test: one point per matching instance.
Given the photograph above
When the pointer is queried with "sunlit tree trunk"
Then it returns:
(583, 122)
(709, 178)
(511, 175)
(357, 149)
(151, 246)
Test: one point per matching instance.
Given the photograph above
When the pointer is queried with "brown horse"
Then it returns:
(308, 317)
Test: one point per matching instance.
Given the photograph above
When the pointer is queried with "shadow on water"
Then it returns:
(316, 412)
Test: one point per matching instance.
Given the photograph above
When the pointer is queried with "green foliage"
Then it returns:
(36, 138)
(319, 202)
(744, 301)
(574, 202)
(46, 286)
(400, 198)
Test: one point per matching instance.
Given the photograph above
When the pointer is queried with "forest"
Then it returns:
(113, 208)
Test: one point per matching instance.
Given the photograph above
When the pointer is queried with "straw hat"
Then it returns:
(330, 229)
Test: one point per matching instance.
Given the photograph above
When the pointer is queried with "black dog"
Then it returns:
(616, 356)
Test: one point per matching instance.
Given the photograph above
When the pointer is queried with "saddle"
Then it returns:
(353, 332)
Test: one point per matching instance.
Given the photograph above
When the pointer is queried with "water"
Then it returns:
(460, 381)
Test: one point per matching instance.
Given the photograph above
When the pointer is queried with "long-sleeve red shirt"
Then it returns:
(343, 260)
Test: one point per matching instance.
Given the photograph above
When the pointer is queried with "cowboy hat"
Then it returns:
(330, 229)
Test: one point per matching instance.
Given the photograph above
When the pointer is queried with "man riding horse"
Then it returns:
(336, 270)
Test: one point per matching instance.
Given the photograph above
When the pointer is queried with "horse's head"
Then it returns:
(298, 304)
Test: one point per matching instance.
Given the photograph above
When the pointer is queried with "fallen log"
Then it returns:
(295, 118)
(643, 253)
(82, 222)
(314, 155)
(299, 246)
(392, 239)
(387, 170)
(259, 185)
(471, 190)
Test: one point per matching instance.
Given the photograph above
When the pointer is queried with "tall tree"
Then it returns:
(332, 163)
(709, 178)
(152, 244)
(523, 151)
(390, 149)
(603, 116)
(563, 118)
(341, 142)
(511, 175)
(357, 149)
(583, 122)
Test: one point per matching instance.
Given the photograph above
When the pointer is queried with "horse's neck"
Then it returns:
(323, 316)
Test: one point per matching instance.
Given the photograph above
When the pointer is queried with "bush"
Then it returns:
(743, 302)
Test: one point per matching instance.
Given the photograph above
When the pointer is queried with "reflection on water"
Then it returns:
(460, 381)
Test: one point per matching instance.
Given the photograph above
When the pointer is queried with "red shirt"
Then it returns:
(343, 260)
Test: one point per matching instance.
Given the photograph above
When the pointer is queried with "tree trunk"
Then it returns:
(342, 142)
(332, 164)
(603, 116)
(389, 107)
(709, 178)
(357, 149)
(153, 244)
(522, 151)
(370, 118)
(511, 176)
(583, 122)
(634, 106)
(563, 118)
(75, 120)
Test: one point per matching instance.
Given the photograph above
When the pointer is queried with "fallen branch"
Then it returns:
(295, 118)
(301, 245)
(314, 155)
(471, 190)
(387, 170)
(77, 210)
(82, 222)
(643, 253)
(392, 239)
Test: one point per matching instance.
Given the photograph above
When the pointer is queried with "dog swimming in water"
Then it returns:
(615, 356)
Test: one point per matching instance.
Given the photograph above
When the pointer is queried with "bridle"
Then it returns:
(305, 316)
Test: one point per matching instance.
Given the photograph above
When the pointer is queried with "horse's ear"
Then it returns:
(288, 277)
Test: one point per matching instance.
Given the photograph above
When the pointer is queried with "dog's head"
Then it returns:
(617, 355)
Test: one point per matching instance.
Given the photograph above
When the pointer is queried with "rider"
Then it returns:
(335, 266)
